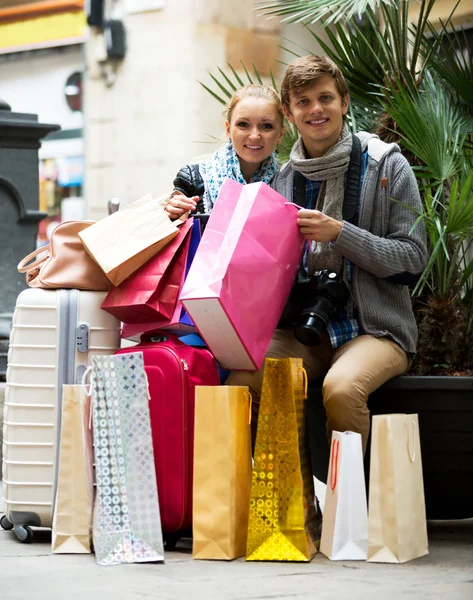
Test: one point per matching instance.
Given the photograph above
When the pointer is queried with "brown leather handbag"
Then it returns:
(64, 262)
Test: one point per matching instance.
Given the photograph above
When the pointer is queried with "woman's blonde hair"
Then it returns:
(255, 91)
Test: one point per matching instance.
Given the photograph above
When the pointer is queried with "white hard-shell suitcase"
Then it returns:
(54, 335)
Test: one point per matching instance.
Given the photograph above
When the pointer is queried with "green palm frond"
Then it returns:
(448, 217)
(403, 40)
(289, 139)
(447, 52)
(361, 56)
(311, 11)
(229, 84)
(432, 126)
(380, 47)
(362, 117)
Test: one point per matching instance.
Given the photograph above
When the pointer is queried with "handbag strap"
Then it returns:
(24, 267)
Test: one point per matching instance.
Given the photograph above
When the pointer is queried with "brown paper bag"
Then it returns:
(125, 240)
(72, 519)
(222, 472)
(397, 526)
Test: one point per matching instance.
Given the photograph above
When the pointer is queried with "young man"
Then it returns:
(371, 249)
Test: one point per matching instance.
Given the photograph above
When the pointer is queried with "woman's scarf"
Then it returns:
(330, 169)
(224, 163)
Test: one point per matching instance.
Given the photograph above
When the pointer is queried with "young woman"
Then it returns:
(254, 127)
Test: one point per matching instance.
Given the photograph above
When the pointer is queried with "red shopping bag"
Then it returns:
(151, 292)
(180, 323)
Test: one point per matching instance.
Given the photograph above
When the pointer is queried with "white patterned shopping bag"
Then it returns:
(127, 525)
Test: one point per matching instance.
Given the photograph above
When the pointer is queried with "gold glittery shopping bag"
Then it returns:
(283, 521)
(222, 472)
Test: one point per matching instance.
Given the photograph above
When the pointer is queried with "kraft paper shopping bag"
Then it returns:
(345, 523)
(283, 523)
(72, 518)
(397, 526)
(125, 240)
(243, 272)
(222, 472)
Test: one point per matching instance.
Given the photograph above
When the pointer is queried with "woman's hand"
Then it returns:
(178, 204)
(316, 226)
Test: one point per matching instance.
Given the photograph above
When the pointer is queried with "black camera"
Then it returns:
(312, 304)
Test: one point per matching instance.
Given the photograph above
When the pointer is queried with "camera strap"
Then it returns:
(351, 198)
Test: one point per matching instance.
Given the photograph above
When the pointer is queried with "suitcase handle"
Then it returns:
(162, 336)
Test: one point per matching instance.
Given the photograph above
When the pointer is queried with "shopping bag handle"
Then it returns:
(88, 392)
(293, 204)
(305, 380)
(250, 404)
(83, 381)
(411, 440)
(334, 464)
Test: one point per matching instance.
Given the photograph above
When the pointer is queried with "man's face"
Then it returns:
(317, 111)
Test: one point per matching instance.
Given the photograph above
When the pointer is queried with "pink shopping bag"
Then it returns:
(242, 273)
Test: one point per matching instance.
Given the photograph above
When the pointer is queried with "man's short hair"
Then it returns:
(304, 71)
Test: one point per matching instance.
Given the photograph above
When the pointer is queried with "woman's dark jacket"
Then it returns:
(190, 183)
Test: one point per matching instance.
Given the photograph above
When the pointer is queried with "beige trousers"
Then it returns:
(352, 373)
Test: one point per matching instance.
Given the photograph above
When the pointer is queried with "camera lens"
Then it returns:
(327, 293)
(313, 321)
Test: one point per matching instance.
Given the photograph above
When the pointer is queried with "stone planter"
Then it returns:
(445, 409)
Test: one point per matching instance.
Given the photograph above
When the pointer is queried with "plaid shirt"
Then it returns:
(345, 324)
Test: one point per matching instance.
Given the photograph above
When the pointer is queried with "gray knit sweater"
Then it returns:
(385, 253)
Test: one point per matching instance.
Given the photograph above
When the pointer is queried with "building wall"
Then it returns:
(34, 82)
(155, 117)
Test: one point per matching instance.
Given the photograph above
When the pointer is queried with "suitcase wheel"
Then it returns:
(5, 524)
(170, 540)
(23, 533)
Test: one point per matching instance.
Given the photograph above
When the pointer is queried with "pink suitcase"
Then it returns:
(174, 369)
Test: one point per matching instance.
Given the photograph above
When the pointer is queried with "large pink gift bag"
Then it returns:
(243, 272)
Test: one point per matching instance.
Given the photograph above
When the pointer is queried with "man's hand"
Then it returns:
(317, 227)
(178, 204)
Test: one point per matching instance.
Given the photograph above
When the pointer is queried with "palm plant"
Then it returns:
(413, 84)
(435, 127)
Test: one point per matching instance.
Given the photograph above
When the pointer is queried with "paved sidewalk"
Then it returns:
(30, 571)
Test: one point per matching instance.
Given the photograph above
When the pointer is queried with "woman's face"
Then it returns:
(255, 130)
